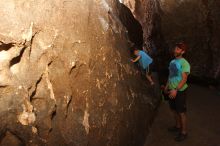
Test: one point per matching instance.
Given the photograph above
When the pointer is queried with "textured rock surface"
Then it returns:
(66, 76)
(196, 22)
(134, 28)
(148, 13)
(145, 12)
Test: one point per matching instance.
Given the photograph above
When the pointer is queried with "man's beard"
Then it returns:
(177, 54)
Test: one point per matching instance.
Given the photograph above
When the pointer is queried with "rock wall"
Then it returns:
(66, 76)
(148, 13)
(197, 23)
(132, 25)
(145, 12)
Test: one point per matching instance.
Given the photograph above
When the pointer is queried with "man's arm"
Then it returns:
(173, 93)
(166, 87)
(183, 81)
(136, 59)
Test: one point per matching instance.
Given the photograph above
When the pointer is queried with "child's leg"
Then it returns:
(150, 79)
(148, 75)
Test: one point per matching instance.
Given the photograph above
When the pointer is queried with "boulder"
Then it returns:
(66, 76)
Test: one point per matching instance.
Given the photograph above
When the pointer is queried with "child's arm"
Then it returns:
(136, 59)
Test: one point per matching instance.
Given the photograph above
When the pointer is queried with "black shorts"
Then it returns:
(179, 103)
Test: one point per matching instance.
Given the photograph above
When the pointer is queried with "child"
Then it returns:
(144, 61)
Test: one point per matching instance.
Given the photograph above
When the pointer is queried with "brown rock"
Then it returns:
(197, 23)
(66, 75)
(11, 140)
(166, 22)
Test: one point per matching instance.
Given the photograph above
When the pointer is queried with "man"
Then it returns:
(179, 69)
(144, 61)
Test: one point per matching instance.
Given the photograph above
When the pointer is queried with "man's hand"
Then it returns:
(132, 60)
(166, 91)
(173, 94)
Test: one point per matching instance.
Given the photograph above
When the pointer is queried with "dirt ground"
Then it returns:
(203, 111)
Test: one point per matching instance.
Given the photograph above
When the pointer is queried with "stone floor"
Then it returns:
(203, 120)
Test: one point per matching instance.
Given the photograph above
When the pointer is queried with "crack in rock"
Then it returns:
(17, 59)
(35, 87)
(67, 103)
(5, 46)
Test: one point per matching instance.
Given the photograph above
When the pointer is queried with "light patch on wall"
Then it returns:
(14, 69)
(98, 84)
(47, 45)
(104, 119)
(43, 46)
(86, 118)
(34, 130)
(67, 99)
(4, 55)
(86, 121)
(49, 84)
(106, 6)
(104, 23)
(28, 33)
(27, 116)
(121, 1)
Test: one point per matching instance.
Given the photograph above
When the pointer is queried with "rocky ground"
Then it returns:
(203, 120)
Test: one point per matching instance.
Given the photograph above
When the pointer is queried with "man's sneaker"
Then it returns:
(181, 137)
(174, 129)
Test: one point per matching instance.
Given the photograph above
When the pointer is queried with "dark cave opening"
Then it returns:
(133, 26)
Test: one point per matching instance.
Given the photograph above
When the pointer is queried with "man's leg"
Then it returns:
(181, 110)
(177, 120)
(183, 123)
(176, 117)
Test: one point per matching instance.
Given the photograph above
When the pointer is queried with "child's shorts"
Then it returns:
(147, 71)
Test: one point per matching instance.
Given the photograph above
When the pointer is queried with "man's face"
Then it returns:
(178, 52)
